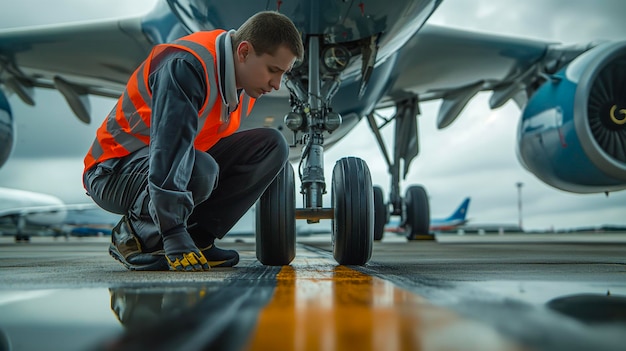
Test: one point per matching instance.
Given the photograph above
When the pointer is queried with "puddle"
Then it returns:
(56, 319)
(80, 319)
(541, 292)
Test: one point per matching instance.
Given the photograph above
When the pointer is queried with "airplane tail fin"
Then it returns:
(461, 212)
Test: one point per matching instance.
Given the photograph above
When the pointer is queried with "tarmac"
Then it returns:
(459, 292)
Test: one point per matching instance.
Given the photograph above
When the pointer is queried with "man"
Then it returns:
(167, 156)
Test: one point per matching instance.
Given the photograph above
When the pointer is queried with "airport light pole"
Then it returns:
(519, 202)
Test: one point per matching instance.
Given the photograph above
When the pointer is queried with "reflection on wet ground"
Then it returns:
(58, 319)
(217, 316)
(72, 296)
(159, 317)
(141, 307)
(318, 306)
(592, 308)
(312, 305)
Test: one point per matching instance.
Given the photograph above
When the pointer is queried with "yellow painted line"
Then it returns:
(320, 306)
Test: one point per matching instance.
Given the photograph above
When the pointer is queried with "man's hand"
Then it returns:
(181, 252)
(188, 262)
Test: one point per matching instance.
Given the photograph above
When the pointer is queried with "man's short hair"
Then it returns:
(268, 30)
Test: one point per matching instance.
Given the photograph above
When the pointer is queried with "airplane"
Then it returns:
(21, 208)
(360, 59)
(455, 220)
(458, 218)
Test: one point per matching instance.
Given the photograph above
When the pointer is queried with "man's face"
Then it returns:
(258, 75)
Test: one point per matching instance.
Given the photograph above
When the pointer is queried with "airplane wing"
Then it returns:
(83, 51)
(454, 65)
(551, 83)
(77, 59)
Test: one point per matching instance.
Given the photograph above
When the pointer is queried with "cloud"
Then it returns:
(566, 21)
(58, 176)
(37, 12)
(44, 131)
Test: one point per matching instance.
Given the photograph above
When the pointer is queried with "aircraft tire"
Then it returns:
(276, 221)
(353, 205)
(21, 238)
(417, 212)
(380, 214)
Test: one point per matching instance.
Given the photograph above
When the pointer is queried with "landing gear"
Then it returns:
(413, 208)
(276, 221)
(353, 203)
(416, 213)
(20, 225)
(21, 238)
(358, 211)
(352, 211)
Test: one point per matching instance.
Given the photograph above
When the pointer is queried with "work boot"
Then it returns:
(126, 248)
(217, 257)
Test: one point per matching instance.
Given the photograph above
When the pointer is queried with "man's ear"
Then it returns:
(243, 50)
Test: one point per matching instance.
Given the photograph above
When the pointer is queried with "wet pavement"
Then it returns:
(550, 292)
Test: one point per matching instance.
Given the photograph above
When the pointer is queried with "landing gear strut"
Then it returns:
(413, 208)
(20, 225)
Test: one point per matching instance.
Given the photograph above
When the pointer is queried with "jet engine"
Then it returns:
(572, 134)
(7, 135)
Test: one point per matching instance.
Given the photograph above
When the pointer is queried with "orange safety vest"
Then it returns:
(127, 127)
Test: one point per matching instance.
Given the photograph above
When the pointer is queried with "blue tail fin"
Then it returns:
(461, 212)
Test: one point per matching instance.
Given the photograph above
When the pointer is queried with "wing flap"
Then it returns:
(99, 56)
(440, 60)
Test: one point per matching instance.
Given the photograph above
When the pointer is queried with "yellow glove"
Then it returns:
(181, 252)
(188, 262)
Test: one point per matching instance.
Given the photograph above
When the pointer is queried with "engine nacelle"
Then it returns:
(572, 134)
(7, 131)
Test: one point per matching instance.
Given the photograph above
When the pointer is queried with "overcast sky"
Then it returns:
(474, 157)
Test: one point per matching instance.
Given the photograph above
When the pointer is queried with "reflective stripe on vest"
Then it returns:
(127, 127)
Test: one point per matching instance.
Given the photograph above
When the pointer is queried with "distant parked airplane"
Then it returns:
(456, 219)
(20, 208)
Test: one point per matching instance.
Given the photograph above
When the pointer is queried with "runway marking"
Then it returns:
(321, 306)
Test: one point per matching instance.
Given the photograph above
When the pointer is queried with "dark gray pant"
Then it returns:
(225, 182)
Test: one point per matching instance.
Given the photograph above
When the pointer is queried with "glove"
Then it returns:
(181, 252)
(188, 261)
